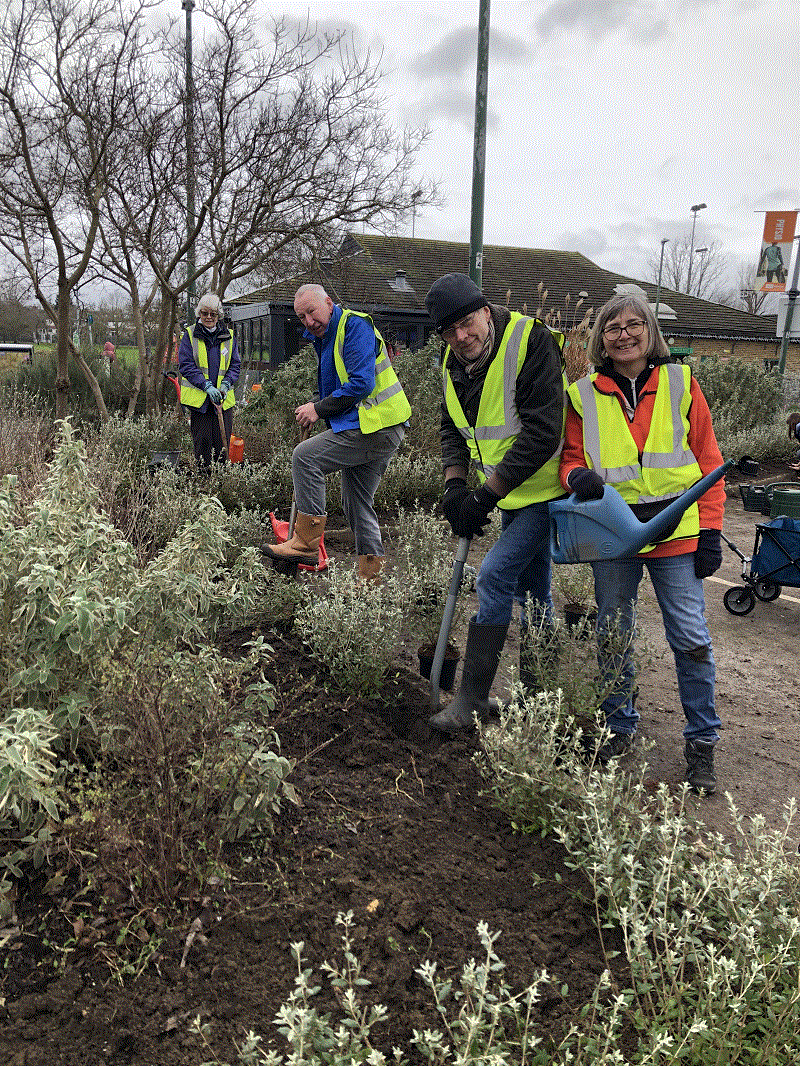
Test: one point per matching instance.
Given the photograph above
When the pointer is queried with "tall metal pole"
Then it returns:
(188, 6)
(694, 210)
(479, 156)
(664, 240)
(793, 293)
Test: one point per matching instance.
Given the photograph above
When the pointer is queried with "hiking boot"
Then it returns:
(369, 568)
(700, 767)
(303, 545)
(616, 745)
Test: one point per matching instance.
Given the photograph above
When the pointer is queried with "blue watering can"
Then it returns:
(584, 531)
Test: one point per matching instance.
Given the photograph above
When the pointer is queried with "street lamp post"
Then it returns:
(479, 148)
(188, 6)
(414, 198)
(694, 209)
(664, 240)
(699, 251)
(793, 293)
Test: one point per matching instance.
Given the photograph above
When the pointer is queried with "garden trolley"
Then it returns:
(775, 561)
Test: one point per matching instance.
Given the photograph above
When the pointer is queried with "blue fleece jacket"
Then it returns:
(338, 402)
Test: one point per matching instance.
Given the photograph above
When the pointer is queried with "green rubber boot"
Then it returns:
(481, 659)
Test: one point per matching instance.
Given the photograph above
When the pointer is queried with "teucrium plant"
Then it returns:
(74, 601)
(63, 578)
(352, 631)
(710, 930)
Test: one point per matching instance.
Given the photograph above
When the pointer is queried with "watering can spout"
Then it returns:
(585, 531)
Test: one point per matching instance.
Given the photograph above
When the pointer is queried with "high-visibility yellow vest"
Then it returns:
(498, 424)
(387, 404)
(667, 465)
(190, 394)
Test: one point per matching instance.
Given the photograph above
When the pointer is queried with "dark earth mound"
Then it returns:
(398, 831)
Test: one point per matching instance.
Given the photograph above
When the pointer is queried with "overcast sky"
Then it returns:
(608, 119)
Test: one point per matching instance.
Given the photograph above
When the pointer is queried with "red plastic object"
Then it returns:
(281, 531)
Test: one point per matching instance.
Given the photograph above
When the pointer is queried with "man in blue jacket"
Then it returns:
(366, 411)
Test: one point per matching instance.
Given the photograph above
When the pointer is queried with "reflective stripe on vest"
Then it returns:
(387, 404)
(191, 396)
(667, 466)
(498, 423)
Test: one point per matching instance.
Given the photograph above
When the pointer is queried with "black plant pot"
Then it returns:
(580, 620)
(448, 672)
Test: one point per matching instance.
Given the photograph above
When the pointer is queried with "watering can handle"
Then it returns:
(591, 530)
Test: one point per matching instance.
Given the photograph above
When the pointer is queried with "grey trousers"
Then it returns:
(362, 459)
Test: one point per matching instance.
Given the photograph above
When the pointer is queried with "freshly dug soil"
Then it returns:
(396, 826)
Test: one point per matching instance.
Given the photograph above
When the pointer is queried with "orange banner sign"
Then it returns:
(776, 250)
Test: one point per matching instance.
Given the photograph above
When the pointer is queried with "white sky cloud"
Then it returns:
(608, 119)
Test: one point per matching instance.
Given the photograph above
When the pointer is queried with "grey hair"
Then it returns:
(315, 290)
(211, 301)
(656, 345)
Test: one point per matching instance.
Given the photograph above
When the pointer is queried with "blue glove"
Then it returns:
(454, 493)
(473, 517)
(708, 555)
(224, 388)
(586, 484)
(213, 394)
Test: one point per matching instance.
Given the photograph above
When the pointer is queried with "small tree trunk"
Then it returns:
(94, 384)
(62, 355)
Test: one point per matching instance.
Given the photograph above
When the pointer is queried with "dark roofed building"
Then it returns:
(388, 277)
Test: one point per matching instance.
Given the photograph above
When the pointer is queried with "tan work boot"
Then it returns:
(369, 568)
(303, 545)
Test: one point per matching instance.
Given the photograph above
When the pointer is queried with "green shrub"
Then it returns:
(485, 1023)
(739, 391)
(421, 377)
(423, 569)
(765, 443)
(137, 439)
(410, 478)
(64, 572)
(260, 487)
(116, 381)
(710, 930)
(29, 798)
(352, 631)
(193, 755)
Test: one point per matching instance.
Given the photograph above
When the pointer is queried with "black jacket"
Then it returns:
(539, 401)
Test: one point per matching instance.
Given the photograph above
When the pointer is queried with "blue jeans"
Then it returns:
(683, 611)
(517, 565)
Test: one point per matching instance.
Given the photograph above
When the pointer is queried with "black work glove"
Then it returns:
(586, 484)
(454, 492)
(708, 554)
(475, 510)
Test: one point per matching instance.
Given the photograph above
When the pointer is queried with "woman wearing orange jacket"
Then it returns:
(641, 423)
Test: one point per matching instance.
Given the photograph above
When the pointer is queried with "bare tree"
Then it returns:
(292, 144)
(68, 72)
(708, 267)
(747, 295)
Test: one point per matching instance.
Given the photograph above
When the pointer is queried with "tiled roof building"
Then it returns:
(389, 277)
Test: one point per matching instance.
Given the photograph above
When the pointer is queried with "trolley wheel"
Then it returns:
(739, 600)
(767, 591)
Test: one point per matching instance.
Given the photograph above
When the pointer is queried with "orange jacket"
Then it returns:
(702, 441)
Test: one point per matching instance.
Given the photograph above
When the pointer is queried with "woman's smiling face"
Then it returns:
(626, 340)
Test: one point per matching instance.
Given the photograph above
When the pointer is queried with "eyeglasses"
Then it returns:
(205, 313)
(449, 334)
(634, 328)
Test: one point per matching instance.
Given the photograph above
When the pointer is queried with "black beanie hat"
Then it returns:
(451, 298)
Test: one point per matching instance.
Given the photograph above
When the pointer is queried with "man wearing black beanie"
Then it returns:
(503, 409)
